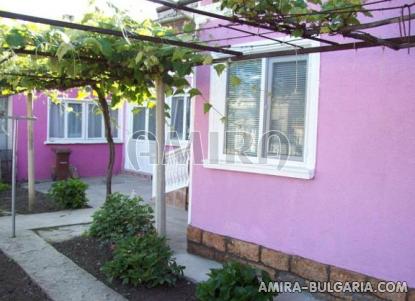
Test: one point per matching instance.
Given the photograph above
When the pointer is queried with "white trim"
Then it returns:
(84, 139)
(268, 169)
(81, 141)
(296, 169)
(191, 131)
(182, 141)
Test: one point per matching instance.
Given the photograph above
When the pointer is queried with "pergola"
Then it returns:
(258, 26)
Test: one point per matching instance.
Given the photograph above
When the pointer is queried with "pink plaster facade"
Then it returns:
(358, 212)
(89, 159)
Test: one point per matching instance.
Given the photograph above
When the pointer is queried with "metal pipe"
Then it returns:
(14, 144)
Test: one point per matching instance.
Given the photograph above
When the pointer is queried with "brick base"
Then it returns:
(177, 198)
(279, 265)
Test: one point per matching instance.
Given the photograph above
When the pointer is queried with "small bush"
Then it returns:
(236, 282)
(69, 194)
(146, 260)
(122, 217)
(4, 187)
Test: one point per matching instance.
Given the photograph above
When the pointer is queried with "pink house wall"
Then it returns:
(359, 211)
(89, 159)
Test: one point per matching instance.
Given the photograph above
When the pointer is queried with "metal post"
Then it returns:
(160, 170)
(30, 153)
(14, 144)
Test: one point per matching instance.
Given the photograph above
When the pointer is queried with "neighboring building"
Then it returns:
(5, 141)
(344, 196)
(77, 125)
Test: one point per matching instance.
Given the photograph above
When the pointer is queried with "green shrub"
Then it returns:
(145, 259)
(4, 187)
(122, 217)
(236, 282)
(69, 194)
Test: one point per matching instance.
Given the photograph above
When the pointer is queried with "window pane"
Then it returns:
(114, 122)
(56, 120)
(74, 120)
(242, 106)
(288, 99)
(151, 124)
(94, 121)
(139, 124)
(3, 123)
(177, 111)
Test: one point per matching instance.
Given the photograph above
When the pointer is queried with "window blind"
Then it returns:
(242, 107)
(287, 113)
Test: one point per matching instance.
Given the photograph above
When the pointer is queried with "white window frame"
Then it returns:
(84, 139)
(146, 111)
(187, 101)
(218, 159)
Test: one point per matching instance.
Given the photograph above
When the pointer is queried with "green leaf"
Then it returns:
(206, 107)
(189, 27)
(63, 49)
(207, 60)
(235, 80)
(15, 39)
(194, 92)
(219, 68)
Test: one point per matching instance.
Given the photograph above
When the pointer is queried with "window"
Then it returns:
(78, 122)
(179, 118)
(271, 112)
(4, 110)
(144, 124)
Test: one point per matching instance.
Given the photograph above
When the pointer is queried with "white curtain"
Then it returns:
(74, 120)
(177, 114)
(56, 120)
(94, 121)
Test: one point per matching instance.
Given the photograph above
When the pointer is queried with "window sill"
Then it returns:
(299, 172)
(81, 141)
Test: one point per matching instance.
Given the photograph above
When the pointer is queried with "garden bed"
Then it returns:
(90, 254)
(43, 202)
(15, 284)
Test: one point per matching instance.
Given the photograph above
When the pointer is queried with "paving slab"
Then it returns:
(59, 277)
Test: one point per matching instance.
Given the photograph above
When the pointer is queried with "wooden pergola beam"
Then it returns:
(404, 43)
(179, 6)
(116, 33)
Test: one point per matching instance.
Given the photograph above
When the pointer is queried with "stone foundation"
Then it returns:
(177, 198)
(281, 266)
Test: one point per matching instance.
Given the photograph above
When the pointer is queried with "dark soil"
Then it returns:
(15, 284)
(43, 202)
(90, 254)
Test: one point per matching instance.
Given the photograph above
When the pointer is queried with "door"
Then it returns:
(141, 132)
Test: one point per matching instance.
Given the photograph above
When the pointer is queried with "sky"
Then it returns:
(55, 9)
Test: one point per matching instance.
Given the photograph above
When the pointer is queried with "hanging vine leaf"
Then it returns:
(219, 68)
(206, 107)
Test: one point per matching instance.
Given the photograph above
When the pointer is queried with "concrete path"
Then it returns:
(56, 274)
